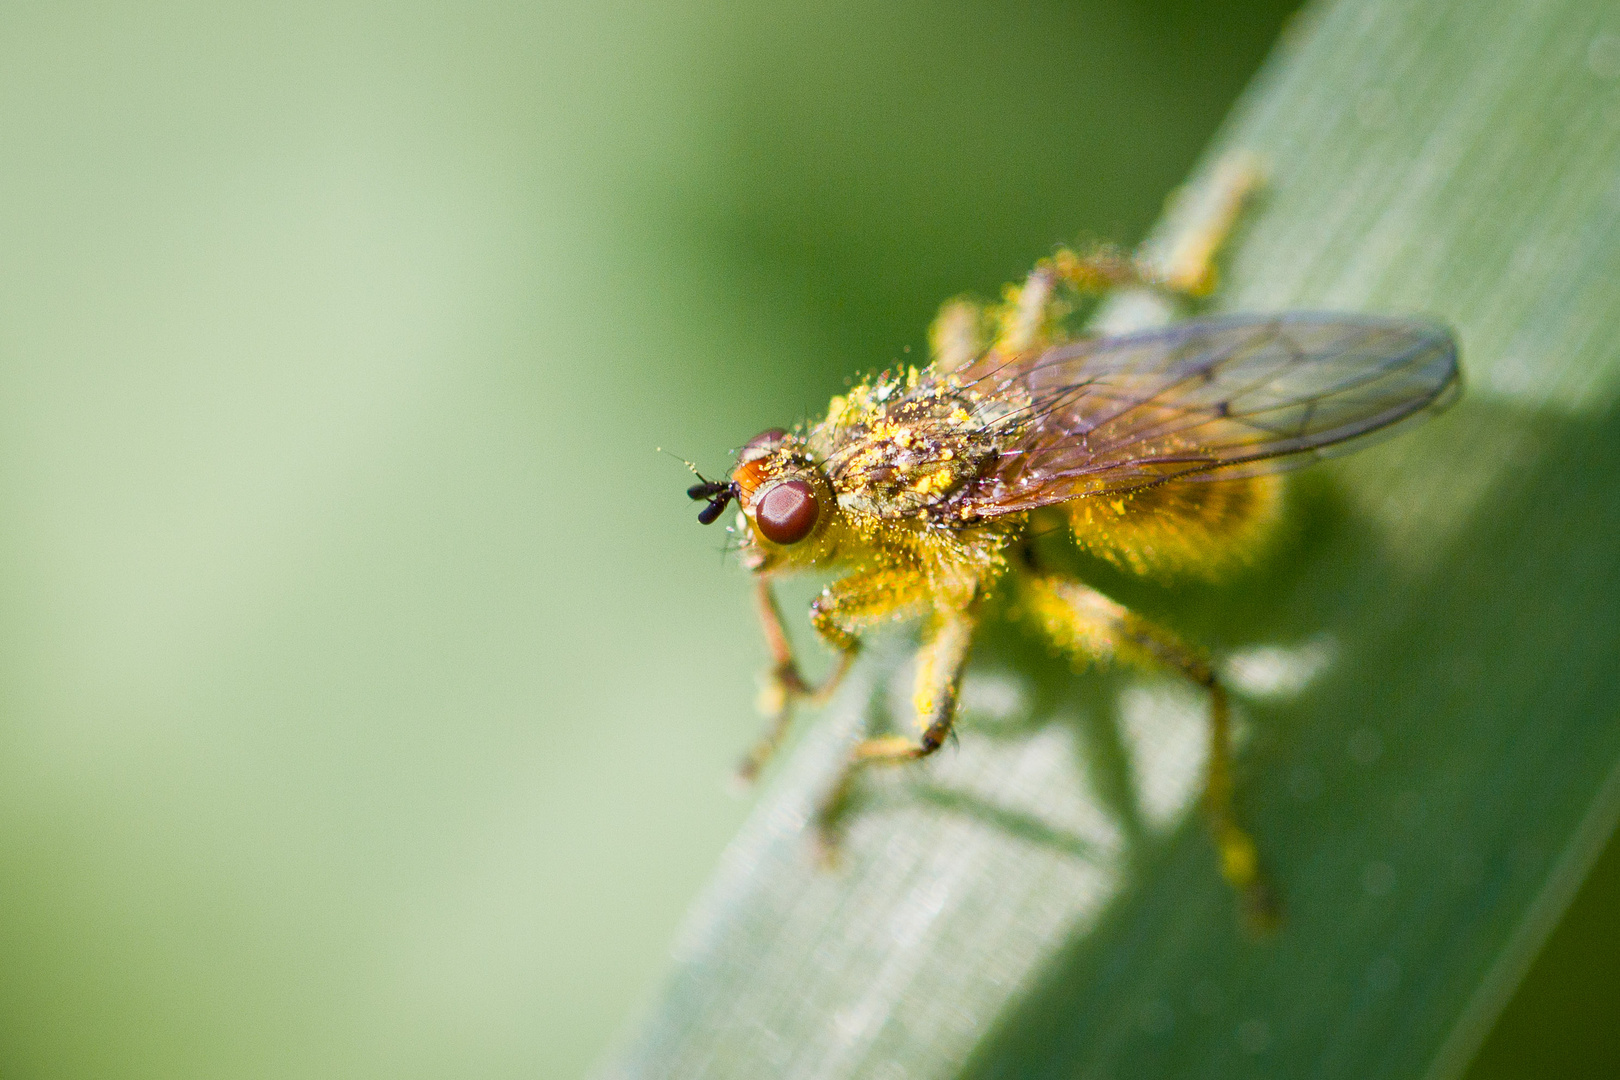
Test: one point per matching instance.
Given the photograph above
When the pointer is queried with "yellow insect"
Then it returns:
(1157, 449)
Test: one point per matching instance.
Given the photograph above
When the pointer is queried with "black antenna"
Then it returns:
(717, 492)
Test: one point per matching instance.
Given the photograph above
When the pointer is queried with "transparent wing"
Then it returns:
(1207, 399)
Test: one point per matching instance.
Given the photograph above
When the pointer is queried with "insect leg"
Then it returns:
(940, 661)
(1214, 209)
(1024, 319)
(783, 683)
(838, 614)
(1187, 268)
(956, 336)
(1029, 313)
(1088, 625)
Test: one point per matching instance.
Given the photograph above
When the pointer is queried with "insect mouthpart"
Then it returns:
(717, 492)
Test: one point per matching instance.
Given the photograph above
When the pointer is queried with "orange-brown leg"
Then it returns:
(838, 614)
(783, 684)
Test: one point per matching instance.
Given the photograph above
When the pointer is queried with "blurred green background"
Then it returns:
(369, 689)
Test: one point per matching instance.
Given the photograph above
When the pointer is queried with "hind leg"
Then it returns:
(1088, 625)
(1030, 312)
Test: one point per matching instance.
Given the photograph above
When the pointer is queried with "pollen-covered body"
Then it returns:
(901, 446)
(883, 462)
(1194, 529)
(919, 489)
(919, 471)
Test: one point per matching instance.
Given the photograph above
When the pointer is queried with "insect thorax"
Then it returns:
(899, 446)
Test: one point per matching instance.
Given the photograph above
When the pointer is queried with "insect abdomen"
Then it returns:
(1196, 527)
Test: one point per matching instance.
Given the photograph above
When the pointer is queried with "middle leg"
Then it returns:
(940, 661)
(844, 609)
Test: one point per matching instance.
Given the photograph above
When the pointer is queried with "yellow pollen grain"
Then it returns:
(934, 482)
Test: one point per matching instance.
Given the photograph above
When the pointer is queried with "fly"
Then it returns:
(1158, 450)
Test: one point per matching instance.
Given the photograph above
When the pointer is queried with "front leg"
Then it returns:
(843, 609)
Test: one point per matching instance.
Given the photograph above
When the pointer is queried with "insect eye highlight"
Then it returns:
(787, 512)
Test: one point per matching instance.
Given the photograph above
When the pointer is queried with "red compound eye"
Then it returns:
(787, 512)
(761, 445)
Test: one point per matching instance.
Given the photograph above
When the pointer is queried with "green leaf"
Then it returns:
(1424, 663)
